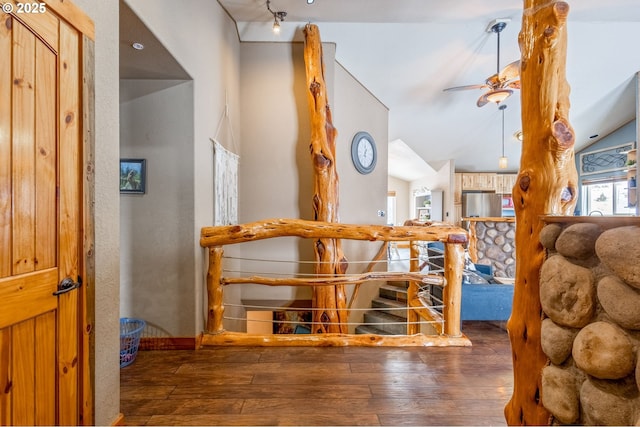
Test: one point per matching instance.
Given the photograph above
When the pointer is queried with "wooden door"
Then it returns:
(43, 364)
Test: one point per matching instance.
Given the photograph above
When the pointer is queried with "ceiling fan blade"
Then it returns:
(466, 87)
(511, 71)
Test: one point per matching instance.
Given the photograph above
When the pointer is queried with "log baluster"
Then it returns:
(412, 292)
(452, 292)
(546, 185)
(328, 252)
(215, 309)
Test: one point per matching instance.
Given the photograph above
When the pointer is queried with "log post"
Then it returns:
(546, 185)
(452, 292)
(473, 241)
(412, 292)
(215, 309)
(328, 252)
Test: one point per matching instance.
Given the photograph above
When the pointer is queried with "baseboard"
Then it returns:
(119, 421)
(168, 343)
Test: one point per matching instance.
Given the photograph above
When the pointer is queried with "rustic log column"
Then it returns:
(328, 252)
(547, 183)
(215, 309)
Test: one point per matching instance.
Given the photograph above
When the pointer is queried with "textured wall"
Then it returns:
(107, 209)
(590, 294)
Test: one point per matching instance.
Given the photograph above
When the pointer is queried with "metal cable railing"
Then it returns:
(423, 276)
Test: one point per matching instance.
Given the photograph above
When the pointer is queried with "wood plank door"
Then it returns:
(42, 365)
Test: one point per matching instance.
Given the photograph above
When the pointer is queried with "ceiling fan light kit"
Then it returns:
(495, 96)
(502, 83)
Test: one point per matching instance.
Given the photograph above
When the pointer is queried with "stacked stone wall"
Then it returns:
(496, 246)
(590, 296)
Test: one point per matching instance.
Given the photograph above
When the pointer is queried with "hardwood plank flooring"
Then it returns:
(317, 386)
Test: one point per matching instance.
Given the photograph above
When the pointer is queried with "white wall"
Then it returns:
(203, 39)
(107, 210)
(156, 229)
(442, 179)
(356, 109)
(403, 199)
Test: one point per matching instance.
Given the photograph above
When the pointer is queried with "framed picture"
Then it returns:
(133, 176)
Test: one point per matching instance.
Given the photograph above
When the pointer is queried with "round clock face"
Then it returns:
(363, 152)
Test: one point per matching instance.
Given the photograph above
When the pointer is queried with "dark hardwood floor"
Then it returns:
(324, 386)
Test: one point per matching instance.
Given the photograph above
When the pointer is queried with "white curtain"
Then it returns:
(225, 186)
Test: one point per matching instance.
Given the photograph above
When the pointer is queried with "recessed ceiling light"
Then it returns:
(310, 1)
(137, 46)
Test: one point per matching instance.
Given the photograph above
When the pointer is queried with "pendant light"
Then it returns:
(502, 161)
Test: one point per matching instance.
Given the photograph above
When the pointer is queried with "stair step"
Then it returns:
(364, 329)
(393, 292)
(389, 323)
(399, 283)
(393, 305)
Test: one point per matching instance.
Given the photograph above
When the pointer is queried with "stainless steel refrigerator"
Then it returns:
(481, 205)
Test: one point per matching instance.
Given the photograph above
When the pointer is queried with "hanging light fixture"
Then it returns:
(278, 17)
(502, 161)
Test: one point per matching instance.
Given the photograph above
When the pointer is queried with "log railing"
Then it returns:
(214, 238)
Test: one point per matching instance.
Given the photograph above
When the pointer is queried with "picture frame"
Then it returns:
(133, 176)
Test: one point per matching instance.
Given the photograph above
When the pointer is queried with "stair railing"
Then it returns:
(453, 238)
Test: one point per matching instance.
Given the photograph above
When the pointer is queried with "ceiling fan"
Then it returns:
(502, 83)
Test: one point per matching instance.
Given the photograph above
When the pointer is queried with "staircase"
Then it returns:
(387, 319)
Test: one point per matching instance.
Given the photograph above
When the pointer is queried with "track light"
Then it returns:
(278, 16)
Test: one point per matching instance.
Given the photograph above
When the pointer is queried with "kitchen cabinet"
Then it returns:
(505, 183)
(479, 181)
(457, 189)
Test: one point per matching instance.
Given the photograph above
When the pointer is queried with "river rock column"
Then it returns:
(590, 295)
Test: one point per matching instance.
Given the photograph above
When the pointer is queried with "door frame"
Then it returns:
(76, 18)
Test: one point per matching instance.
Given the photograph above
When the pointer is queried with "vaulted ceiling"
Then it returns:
(407, 51)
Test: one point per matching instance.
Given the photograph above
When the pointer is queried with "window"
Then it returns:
(391, 208)
(606, 198)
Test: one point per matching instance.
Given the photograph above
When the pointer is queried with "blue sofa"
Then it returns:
(480, 301)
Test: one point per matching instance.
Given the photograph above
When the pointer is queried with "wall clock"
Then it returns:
(363, 153)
